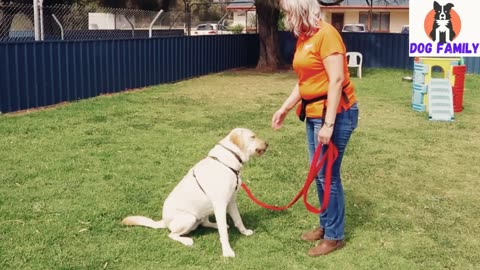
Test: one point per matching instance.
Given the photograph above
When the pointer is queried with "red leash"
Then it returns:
(329, 157)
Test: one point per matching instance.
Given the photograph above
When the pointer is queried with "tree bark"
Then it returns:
(269, 59)
(130, 5)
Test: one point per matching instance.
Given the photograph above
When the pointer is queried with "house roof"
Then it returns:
(241, 5)
(346, 4)
(364, 8)
(377, 4)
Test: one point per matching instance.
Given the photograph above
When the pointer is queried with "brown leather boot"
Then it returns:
(314, 235)
(325, 247)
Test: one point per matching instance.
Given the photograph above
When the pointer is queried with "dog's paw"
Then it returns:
(188, 242)
(229, 253)
(247, 232)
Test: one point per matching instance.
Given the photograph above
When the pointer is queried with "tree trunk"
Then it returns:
(129, 4)
(268, 15)
(370, 14)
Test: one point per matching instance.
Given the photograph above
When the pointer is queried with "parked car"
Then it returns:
(405, 29)
(210, 29)
(354, 27)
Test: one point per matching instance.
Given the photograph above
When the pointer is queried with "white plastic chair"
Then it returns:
(354, 60)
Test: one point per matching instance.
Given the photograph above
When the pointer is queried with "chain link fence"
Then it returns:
(78, 22)
(233, 17)
(86, 22)
(16, 22)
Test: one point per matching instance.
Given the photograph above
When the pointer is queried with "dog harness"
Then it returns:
(237, 173)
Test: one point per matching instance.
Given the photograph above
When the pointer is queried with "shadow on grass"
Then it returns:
(358, 212)
(256, 220)
(261, 221)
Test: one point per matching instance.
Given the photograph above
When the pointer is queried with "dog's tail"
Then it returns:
(143, 221)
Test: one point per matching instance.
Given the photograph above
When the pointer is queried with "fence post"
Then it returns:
(223, 18)
(188, 17)
(36, 24)
(42, 33)
(131, 25)
(153, 22)
(59, 25)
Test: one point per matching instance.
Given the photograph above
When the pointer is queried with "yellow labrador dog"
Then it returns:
(209, 187)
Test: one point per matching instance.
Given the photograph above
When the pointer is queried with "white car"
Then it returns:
(354, 27)
(210, 29)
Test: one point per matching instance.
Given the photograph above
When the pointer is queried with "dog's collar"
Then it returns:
(231, 151)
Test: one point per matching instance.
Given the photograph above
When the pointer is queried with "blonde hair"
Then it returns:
(301, 16)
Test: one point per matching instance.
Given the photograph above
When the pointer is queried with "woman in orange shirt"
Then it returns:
(326, 101)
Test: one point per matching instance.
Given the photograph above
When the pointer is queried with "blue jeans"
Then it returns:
(333, 219)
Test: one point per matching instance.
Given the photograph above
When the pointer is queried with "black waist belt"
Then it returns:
(305, 102)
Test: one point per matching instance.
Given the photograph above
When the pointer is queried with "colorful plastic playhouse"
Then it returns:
(441, 97)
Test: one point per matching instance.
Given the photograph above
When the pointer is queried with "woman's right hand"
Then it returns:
(280, 114)
(278, 117)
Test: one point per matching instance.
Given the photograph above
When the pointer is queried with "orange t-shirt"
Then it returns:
(312, 76)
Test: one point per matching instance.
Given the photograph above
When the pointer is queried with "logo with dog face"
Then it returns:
(442, 23)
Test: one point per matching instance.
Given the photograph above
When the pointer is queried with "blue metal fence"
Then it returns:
(36, 74)
(473, 65)
(380, 50)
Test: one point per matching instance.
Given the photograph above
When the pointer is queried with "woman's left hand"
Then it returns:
(325, 134)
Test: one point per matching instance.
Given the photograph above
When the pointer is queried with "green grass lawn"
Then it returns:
(68, 175)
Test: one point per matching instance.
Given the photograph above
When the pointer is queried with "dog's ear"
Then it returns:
(237, 139)
(436, 5)
(449, 6)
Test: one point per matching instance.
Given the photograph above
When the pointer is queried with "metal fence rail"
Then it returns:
(36, 74)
